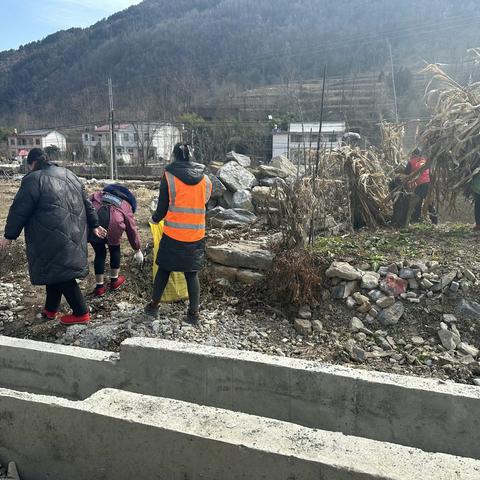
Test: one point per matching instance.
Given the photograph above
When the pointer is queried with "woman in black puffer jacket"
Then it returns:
(52, 207)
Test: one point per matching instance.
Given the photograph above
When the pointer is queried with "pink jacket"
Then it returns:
(121, 220)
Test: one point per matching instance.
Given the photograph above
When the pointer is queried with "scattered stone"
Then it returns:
(220, 217)
(358, 355)
(385, 302)
(305, 312)
(427, 284)
(469, 275)
(317, 326)
(370, 280)
(338, 292)
(344, 271)
(383, 271)
(393, 285)
(392, 268)
(417, 340)
(351, 303)
(469, 309)
(413, 284)
(449, 338)
(454, 287)
(391, 315)
(365, 307)
(356, 325)
(476, 382)
(375, 295)
(302, 326)
(407, 274)
(467, 349)
(350, 287)
(360, 299)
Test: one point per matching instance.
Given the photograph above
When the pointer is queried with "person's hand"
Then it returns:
(138, 257)
(100, 232)
(4, 243)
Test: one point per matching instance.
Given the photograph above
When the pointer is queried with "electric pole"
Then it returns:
(112, 130)
(393, 80)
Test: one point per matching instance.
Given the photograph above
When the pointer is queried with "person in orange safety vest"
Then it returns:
(184, 193)
(421, 184)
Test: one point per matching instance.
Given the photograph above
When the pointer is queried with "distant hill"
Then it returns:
(167, 57)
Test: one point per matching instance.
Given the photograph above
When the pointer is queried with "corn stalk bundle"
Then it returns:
(367, 186)
(392, 144)
(451, 138)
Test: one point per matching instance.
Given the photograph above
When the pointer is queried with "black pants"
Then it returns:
(72, 293)
(193, 286)
(101, 255)
(476, 198)
(422, 191)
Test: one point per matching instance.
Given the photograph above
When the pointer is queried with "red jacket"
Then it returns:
(121, 220)
(416, 163)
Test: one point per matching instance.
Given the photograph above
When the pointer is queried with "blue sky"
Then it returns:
(23, 21)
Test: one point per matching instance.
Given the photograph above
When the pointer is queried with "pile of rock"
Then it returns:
(380, 295)
(241, 193)
(10, 306)
(244, 262)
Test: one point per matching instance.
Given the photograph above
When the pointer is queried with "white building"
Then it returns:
(303, 136)
(151, 141)
(19, 145)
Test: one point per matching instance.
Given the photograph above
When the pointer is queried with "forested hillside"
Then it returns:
(166, 56)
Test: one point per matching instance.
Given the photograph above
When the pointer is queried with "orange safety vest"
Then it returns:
(185, 219)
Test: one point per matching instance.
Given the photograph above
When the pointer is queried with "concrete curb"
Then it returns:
(122, 435)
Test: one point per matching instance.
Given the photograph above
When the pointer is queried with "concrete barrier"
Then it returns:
(422, 413)
(119, 435)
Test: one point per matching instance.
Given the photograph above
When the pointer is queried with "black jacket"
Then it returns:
(52, 207)
(173, 255)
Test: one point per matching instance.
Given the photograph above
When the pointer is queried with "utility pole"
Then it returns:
(112, 130)
(393, 80)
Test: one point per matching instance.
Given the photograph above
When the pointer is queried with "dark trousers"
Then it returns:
(72, 293)
(422, 192)
(476, 197)
(100, 250)
(193, 287)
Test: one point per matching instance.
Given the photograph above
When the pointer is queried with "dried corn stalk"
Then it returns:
(451, 138)
(392, 144)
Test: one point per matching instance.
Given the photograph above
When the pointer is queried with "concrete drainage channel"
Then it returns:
(167, 410)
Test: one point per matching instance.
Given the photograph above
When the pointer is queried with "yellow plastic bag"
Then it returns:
(176, 288)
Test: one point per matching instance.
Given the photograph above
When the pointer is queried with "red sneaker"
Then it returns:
(47, 315)
(99, 291)
(75, 319)
(117, 283)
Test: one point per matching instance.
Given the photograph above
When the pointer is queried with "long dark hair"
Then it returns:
(37, 155)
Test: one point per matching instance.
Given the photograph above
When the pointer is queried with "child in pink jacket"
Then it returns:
(115, 206)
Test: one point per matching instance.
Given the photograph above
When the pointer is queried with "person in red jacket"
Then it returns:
(421, 184)
(115, 206)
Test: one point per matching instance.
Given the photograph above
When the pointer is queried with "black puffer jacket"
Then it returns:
(173, 255)
(52, 207)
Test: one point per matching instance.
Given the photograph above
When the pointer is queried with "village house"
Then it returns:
(300, 136)
(149, 142)
(20, 144)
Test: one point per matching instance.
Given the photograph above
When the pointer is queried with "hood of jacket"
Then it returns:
(188, 172)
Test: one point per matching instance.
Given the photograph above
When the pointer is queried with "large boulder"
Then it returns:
(264, 196)
(220, 217)
(236, 177)
(218, 188)
(242, 160)
(243, 199)
(226, 200)
(271, 182)
(248, 255)
(279, 167)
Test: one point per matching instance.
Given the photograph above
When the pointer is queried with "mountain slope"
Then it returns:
(164, 56)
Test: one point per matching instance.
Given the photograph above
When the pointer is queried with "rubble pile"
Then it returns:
(379, 300)
(10, 304)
